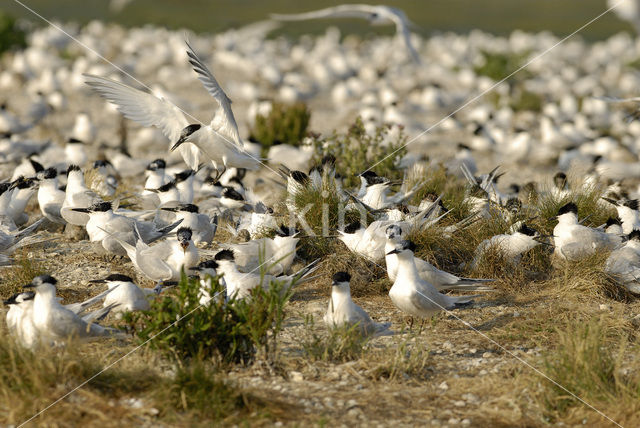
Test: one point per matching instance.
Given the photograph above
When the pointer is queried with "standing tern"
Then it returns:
(412, 294)
(375, 14)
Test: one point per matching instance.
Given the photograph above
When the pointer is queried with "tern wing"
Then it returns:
(341, 11)
(141, 107)
(402, 29)
(213, 87)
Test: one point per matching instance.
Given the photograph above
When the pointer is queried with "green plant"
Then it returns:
(228, 331)
(588, 362)
(12, 36)
(339, 344)
(498, 65)
(286, 124)
(357, 150)
(22, 272)
(402, 362)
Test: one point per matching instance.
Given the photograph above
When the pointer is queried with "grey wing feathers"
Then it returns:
(141, 107)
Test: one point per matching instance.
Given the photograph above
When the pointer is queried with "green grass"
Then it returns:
(23, 271)
(285, 124)
(338, 345)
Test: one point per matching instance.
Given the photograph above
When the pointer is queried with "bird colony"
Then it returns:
(126, 163)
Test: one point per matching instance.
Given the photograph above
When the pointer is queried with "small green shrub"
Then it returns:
(21, 273)
(286, 124)
(497, 65)
(340, 344)
(228, 332)
(357, 150)
(12, 36)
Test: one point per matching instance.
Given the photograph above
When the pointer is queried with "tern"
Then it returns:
(125, 294)
(218, 141)
(50, 197)
(375, 14)
(412, 294)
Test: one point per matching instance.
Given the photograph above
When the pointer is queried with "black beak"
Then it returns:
(611, 201)
(28, 286)
(169, 209)
(97, 281)
(180, 141)
(392, 252)
(81, 210)
(196, 268)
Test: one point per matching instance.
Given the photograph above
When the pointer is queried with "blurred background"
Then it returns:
(495, 16)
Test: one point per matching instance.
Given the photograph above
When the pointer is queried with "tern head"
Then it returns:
(283, 231)
(569, 208)
(630, 203)
(372, 178)
(393, 232)
(19, 298)
(340, 279)
(190, 208)
(231, 193)
(352, 227)
(164, 188)
(4, 187)
(528, 231)
(207, 267)
(403, 247)
(612, 221)
(560, 180)
(185, 134)
(22, 183)
(513, 205)
(225, 256)
(184, 235)
(114, 277)
(634, 235)
(463, 148)
(101, 163)
(49, 173)
(37, 166)
(98, 207)
(43, 283)
(182, 176)
(73, 169)
(74, 141)
(156, 165)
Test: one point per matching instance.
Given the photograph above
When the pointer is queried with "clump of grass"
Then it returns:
(199, 389)
(498, 65)
(12, 35)
(286, 124)
(228, 332)
(588, 362)
(339, 344)
(405, 361)
(357, 150)
(30, 381)
(21, 273)
(367, 279)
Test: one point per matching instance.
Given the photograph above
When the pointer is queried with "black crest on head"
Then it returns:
(568, 208)
(634, 235)
(37, 166)
(166, 187)
(118, 277)
(191, 208)
(101, 206)
(42, 279)
(613, 221)
(408, 245)
(231, 193)
(157, 164)
(463, 147)
(190, 130)
(286, 231)
(631, 203)
(526, 230)
(50, 173)
(101, 163)
(341, 277)
(182, 176)
(184, 234)
(4, 187)
(208, 264)
(73, 168)
(352, 227)
(225, 255)
(372, 178)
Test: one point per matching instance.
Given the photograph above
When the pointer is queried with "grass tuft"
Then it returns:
(286, 124)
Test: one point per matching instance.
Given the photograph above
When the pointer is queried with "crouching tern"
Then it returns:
(55, 323)
(343, 311)
(219, 141)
